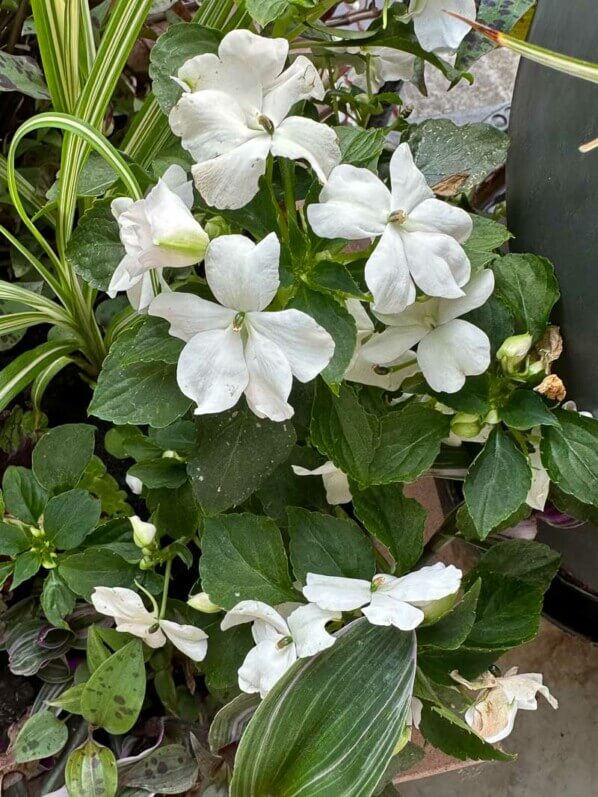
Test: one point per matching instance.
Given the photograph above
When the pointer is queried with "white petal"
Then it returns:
(538, 493)
(387, 274)
(365, 372)
(243, 275)
(325, 469)
(409, 186)
(299, 82)
(176, 179)
(414, 717)
(249, 612)
(450, 353)
(208, 72)
(387, 64)
(477, 291)
(230, 181)
(337, 488)
(426, 584)
(385, 610)
(122, 604)
(354, 204)
(212, 370)
(437, 31)
(121, 279)
(262, 55)
(141, 290)
(307, 346)
(337, 594)
(524, 688)
(134, 484)
(188, 314)
(433, 215)
(437, 263)
(299, 138)
(493, 717)
(189, 639)
(365, 325)
(121, 205)
(264, 665)
(270, 378)
(153, 639)
(308, 629)
(408, 328)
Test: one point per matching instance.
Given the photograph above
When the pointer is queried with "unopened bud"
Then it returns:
(134, 484)
(216, 226)
(492, 418)
(146, 563)
(201, 602)
(49, 560)
(466, 425)
(143, 533)
(514, 351)
(434, 610)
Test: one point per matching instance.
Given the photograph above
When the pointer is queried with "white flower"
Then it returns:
(143, 533)
(384, 63)
(132, 617)
(234, 347)
(449, 348)
(414, 716)
(492, 716)
(235, 114)
(335, 481)
(201, 603)
(420, 239)
(538, 492)
(156, 231)
(437, 31)
(134, 484)
(280, 640)
(387, 600)
(362, 370)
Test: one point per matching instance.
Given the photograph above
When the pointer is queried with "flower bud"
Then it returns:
(134, 484)
(216, 226)
(143, 533)
(434, 610)
(201, 602)
(466, 425)
(492, 418)
(514, 351)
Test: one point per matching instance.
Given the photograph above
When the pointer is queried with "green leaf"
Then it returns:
(41, 736)
(96, 567)
(235, 452)
(23, 495)
(226, 653)
(329, 546)
(266, 11)
(57, 600)
(100, 483)
(70, 699)
(526, 409)
(531, 563)
(442, 149)
(468, 529)
(497, 483)
(569, 505)
(171, 769)
(174, 512)
(114, 693)
(173, 48)
(22, 74)
(528, 287)
(397, 521)
(452, 630)
(409, 443)
(91, 771)
(361, 147)
(61, 456)
(495, 319)
(95, 250)
(26, 566)
(96, 652)
(243, 558)
(13, 540)
(570, 455)
(449, 733)
(313, 719)
(157, 473)
(500, 15)
(230, 722)
(22, 370)
(327, 275)
(487, 236)
(70, 517)
(338, 321)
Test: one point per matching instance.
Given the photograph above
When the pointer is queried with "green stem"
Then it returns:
(287, 171)
(282, 222)
(165, 589)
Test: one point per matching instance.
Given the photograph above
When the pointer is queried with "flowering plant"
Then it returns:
(289, 304)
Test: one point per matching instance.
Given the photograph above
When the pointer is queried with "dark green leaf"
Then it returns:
(157, 473)
(487, 236)
(528, 287)
(497, 322)
(531, 563)
(570, 455)
(175, 512)
(96, 567)
(498, 14)
(41, 736)
(70, 517)
(226, 652)
(23, 495)
(334, 277)
(453, 629)
(361, 147)
(13, 540)
(569, 505)
(100, 483)
(61, 456)
(265, 11)
(94, 249)
(447, 732)
(57, 599)
(26, 566)
(96, 651)
(526, 409)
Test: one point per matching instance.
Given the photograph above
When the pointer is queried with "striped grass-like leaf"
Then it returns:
(57, 28)
(24, 368)
(331, 724)
(43, 379)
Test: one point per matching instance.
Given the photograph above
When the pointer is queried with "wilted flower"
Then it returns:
(449, 349)
(436, 30)
(335, 481)
(131, 617)
(421, 236)
(280, 640)
(552, 387)
(492, 716)
(157, 231)
(235, 114)
(233, 347)
(386, 600)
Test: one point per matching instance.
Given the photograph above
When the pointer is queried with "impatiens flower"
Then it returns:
(280, 640)
(131, 617)
(157, 231)
(134, 484)
(386, 600)
(384, 64)
(235, 114)
(437, 31)
(235, 348)
(449, 349)
(335, 481)
(420, 236)
(144, 533)
(492, 716)
(389, 377)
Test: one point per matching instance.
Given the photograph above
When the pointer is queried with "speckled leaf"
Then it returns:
(91, 771)
(41, 736)
(21, 73)
(114, 694)
(501, 15)
(168, 770)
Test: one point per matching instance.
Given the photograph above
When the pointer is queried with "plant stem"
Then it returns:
(287, 171)
(165, 590)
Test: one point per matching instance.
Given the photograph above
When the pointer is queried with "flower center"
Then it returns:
(266, 123)
(377, 583)
(429, 321)
(238, 321)
(397, 217)
(381, 370)
(284, 642)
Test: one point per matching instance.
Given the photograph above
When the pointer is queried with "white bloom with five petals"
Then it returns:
(131, 617)
(234, 347)
(492, 716)
(449, 349)
(420, 236)
(157, 231)
(281, 638)
(386, 600)
(435, 29)
(235, 114)
(335, 481)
